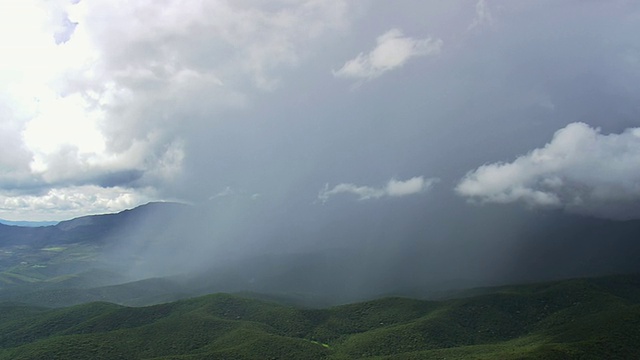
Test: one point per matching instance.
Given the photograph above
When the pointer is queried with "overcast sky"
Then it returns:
(105, 105)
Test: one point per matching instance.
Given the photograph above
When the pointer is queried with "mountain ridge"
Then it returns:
(28, 223)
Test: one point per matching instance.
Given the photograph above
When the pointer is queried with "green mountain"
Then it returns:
(596, 318)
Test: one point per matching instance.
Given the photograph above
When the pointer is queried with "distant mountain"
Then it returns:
(363, 256)
(93, 228)
(100, 227)
(38, 258)
(573, 319)
(28, 223)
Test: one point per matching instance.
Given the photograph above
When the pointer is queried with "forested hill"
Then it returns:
(573, 319)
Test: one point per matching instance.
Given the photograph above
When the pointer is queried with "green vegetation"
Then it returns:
(23, 264)
(574, 319)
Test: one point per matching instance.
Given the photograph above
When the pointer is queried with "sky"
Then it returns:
(292, 104)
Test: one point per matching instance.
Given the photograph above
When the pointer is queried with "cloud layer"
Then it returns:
(126, 96)
(580, 170)
(125, 82)
(394, 188)
(392, 51)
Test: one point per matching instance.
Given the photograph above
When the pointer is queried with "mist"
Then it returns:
(343, 251)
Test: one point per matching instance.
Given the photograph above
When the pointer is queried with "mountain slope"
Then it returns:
(92, 228)
(71, 253)
(573, 319)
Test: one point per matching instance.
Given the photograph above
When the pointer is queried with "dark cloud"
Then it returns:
(122, 178)
(250, 101)
(195, 101)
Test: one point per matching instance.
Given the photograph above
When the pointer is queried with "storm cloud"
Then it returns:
(138, 102)
(308, 126)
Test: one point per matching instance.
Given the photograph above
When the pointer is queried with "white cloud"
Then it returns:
(394, 188)
(69, 202)
(228, 191)
(90, 89)
(392, 51)
(363, 192)
(412, 186)
(483, 15)
(580, 170)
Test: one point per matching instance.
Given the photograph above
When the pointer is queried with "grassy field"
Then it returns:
(574, 319)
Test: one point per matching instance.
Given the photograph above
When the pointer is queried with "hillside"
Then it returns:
(72, 253)
(574, 319)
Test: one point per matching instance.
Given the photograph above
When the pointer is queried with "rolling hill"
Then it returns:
(593, 318)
